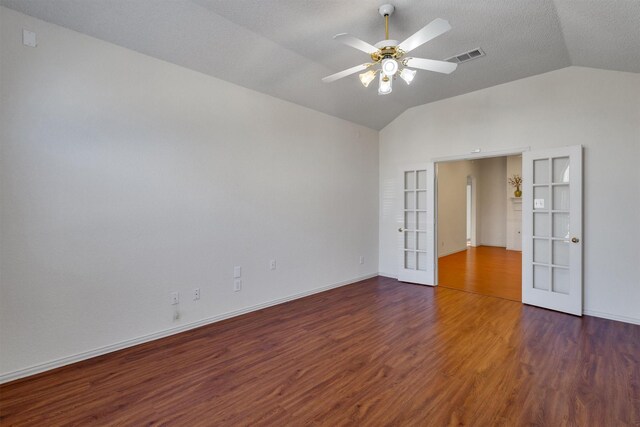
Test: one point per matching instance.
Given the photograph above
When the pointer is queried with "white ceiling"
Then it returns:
(284, 47)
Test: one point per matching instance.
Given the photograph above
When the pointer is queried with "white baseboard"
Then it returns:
(389, 275)
(451, 252)
(625, 319)
(57, 363)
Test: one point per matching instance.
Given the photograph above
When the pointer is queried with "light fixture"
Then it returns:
(367, 77)
(385, 85)
(407, 75)
(389, 66)
(388, 56)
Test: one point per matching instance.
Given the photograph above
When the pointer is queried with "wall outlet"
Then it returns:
(196, 294)
(361, 259)
(174, 298)
(176, 315)
(237, 272)
(272, 264)
(237, 285)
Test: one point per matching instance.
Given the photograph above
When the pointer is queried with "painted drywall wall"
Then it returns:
(513, 206)
(124, 178)
(492, 210)
(452, 205)
(596, 108)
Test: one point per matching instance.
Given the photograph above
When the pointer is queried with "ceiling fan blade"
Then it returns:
(430, 31)
(355, 42)
(431, 65)
(345, 73)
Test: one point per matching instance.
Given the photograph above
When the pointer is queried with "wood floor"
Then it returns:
(378, 352)
(485, 270)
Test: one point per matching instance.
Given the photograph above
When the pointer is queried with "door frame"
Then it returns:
(469, 156)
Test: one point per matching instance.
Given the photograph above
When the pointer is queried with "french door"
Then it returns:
(416, 225)
(552, 229)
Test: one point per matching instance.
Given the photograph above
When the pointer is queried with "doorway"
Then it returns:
(479, 226)
(550, 213)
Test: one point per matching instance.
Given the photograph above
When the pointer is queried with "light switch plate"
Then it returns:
(29, 38)
(538, 203)
(237, 272)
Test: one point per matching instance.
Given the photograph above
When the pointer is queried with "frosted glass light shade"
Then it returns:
(367, 77)
(389, 66)
(384, 87)
(407, 75)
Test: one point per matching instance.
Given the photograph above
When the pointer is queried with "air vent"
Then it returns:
(467, 56)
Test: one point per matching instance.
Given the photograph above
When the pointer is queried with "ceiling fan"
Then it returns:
(391, 55)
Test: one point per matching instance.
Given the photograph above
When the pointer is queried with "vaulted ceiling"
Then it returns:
(284, 47)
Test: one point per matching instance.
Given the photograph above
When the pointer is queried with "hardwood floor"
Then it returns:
(377, 352)
(484, 270)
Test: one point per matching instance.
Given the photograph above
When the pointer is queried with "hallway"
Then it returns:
(484, 270)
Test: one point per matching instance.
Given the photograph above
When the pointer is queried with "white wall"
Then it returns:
(452, 205)
(124, 177)
(514, 206)
(492, 211)
(596, 108)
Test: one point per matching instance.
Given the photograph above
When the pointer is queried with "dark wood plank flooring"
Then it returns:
(378, 352)
(485, 270)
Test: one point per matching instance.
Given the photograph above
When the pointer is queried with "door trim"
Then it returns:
(481, 155)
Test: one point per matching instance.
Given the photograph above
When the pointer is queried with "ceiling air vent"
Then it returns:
(467, 56)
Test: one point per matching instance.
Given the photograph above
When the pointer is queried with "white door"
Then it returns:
(416, 225)
(552, 229)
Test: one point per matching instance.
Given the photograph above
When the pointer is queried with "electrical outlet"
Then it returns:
(272, 264)
(196, 294)
(174, 298)
(237, 285)
(361, 259)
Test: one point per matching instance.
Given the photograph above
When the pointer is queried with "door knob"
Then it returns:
(400, 230)
(575, 240)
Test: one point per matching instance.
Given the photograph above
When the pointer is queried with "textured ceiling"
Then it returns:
(284, 47)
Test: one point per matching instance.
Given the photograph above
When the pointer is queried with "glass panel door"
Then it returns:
(416, 226)
(552, 250)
